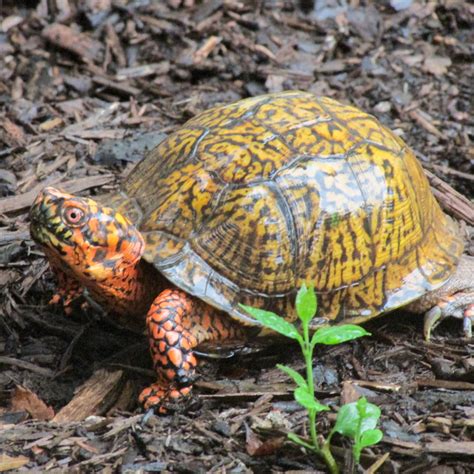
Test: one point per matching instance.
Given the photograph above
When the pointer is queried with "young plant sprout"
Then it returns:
(355, 420)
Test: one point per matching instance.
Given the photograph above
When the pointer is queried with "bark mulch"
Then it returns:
(86, 87)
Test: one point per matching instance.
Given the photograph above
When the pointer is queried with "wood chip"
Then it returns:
(14, 135)
(386, 387)
(119, 87)
(24, 399)
(8, 463)
(143, 71)
(259, 48)
(122, 424)
(23, 201)
(78, 43)
(451, 201)
(113, 42)
(94, 397)
(447, 384)
(423, 120)
(245, 395)
(6, 236)
(459, 448)
(23, 364)
(205, 50)
(437, 65)
(50, 124)
(377, 464)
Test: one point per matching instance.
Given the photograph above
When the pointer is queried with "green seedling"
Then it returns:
(355, 420)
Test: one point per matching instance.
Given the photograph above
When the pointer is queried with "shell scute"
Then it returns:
(243, 151)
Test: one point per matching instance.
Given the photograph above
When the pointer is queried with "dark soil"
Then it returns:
(85, 88)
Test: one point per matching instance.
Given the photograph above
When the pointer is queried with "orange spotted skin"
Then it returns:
(245, 203)
(173, 334)
(68, 289)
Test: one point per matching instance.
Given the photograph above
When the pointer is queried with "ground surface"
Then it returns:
(71, 80)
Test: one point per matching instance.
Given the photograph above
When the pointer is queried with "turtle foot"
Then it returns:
(459, 305)
(163, 399)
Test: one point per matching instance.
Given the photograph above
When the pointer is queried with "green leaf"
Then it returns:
(332, 335)
(273, 321)
(306, 304)
(347, 420)
(297, 378)
(369, 414)
(370, 437)
(296, 439)
(355, 414)
(370, 417)
(306, 400)
(361, 406)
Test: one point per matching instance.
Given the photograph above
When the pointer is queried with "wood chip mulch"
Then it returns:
(86, 87)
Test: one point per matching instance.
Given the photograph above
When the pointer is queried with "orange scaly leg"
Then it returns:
(177, 323)
(68, 289)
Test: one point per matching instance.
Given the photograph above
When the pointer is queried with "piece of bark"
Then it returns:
(14, 135)
(120, 88)
(126, 398)
(23, 201)
(13, 236)
(423, 120)
(24, 399)
(144, 70)
(94, 397)
(446, 384)
(451, 201)
(100, 116)
(8, 462)
(78, 43)
(24, 364)
(114, 44)
(458, 448)
(445, 170)
(205, 50)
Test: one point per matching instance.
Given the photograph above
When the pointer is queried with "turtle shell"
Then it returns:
(247, 201)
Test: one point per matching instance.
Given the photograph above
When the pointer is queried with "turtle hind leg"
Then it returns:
(453, 299)
(459, 305)
(176, 324)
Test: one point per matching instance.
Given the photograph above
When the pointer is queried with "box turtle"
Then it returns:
(243, 204)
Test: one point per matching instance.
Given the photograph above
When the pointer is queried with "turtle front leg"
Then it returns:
(68, 289)
(460, 305)
(177, 323)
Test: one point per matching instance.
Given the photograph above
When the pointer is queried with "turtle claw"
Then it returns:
(67, 300)
(161, 399)
(467, 326)
(432, 318)
(64, 301)
(55, 299)
(146, 416)
(457, 306)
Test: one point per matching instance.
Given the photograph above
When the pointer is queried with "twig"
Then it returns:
(23, 364)
(451, 201)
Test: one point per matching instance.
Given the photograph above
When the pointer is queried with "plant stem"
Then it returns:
(329, 458)
(324, 450)
(308, 355)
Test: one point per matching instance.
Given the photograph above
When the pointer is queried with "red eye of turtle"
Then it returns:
(74, 215)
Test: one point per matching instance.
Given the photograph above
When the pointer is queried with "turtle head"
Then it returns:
(93, 242)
